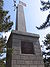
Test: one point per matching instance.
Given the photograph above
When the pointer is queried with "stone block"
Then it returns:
(37, 50)
(38, 54)
(13, 62)
(40, 65)
(28, 62)
(28, 56)
(33, 66)
(39, 58)
(42, 62)
(15, 52)
(24, 66)
(20, 62)
(15, 44)
(35, 62)
(15, 65)
(37, 46)
(38, 62)
(15, 57)
(24, 57)
(16, 48)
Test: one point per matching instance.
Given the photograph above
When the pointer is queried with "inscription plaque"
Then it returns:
(27, 47)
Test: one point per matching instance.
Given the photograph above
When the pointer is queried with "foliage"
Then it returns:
(14, 4)
(47, 44)
(5, 26)
(46, 6)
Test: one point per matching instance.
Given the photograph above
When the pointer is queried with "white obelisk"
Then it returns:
(20, 18)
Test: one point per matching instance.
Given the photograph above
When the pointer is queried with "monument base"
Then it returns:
(26, 50)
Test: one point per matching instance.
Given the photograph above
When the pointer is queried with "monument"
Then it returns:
(26, 46)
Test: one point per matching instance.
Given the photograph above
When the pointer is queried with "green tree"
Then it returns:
(46, 43)
(5, 26)
(46, 6)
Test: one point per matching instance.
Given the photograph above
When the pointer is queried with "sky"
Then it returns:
(33, 17)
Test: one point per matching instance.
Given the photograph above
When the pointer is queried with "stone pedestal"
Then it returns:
(26, 50)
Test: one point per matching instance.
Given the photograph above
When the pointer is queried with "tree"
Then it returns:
(46, 6)
(5, 26)
(46, 43)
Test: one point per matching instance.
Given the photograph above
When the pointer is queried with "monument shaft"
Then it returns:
(20, 19)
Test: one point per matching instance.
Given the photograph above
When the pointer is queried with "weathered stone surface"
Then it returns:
(40, 65)
(24, 65)
(15, 56)
(20, 62)
(20, 20)
(28, 62)
(39, 58)
(25, 60)
(25, 34)
(33, 65)
(14, 62)
(28, 57)
(15, 65)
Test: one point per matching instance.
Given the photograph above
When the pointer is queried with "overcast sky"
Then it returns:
(33, 16)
